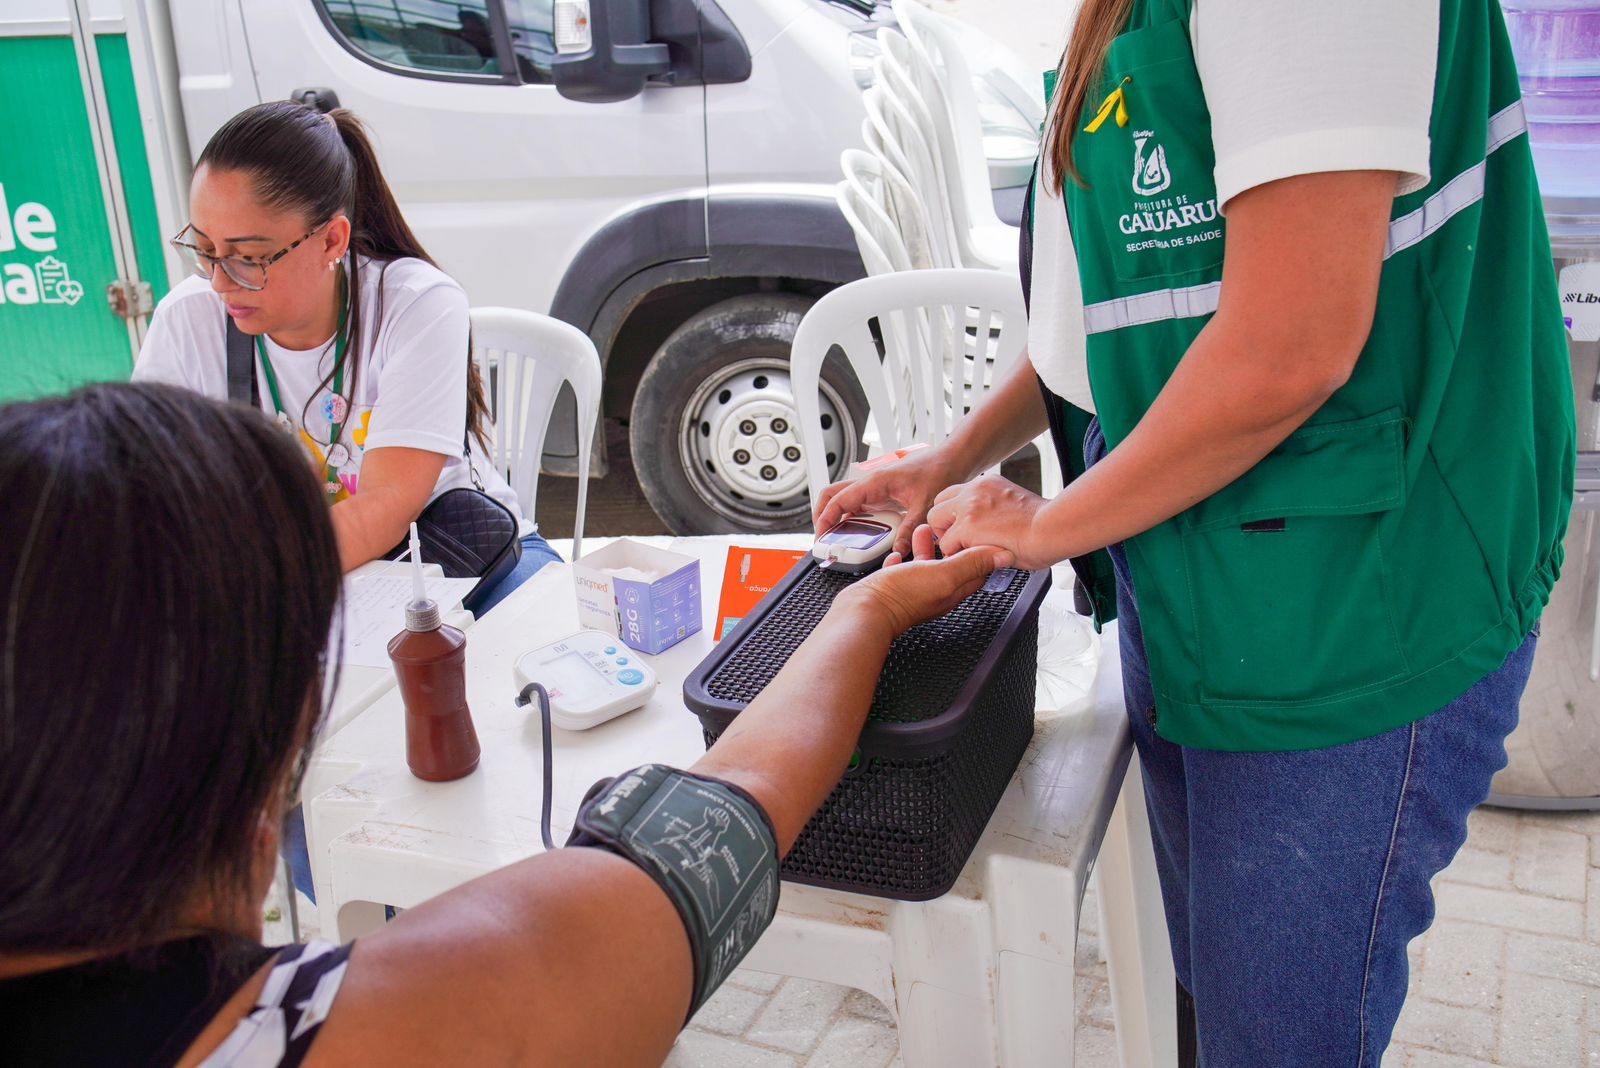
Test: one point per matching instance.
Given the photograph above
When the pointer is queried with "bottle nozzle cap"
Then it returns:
(422, 615)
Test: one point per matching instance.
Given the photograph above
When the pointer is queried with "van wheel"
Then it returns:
(715, 435)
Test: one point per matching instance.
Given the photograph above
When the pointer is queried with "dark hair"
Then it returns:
(318, 165)
(169, 577)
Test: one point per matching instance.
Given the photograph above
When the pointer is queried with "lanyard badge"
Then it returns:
(334, 406)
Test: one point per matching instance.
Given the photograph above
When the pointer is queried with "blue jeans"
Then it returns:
(536, 553)
(1293, 881)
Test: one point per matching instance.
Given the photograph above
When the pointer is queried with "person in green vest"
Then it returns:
(1292, 258)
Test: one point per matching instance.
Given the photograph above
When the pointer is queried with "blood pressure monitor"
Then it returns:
(591, 677)
(856, 543)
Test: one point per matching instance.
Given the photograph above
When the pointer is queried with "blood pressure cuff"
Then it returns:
(706, 843)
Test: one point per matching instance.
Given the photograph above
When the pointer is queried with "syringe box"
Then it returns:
(648, 598)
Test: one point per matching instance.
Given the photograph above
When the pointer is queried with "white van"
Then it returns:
(657, 172)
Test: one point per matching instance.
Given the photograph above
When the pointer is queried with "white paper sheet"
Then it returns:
(375, 611)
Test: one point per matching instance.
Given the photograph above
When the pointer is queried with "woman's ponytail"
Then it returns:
(379, 231)
(1099, 22)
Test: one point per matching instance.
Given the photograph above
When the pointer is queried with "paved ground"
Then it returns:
(1508, 975)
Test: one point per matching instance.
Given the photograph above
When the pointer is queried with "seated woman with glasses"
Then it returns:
(360, 342)
(152, 734)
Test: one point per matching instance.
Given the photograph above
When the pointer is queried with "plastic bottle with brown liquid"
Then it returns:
(430, 662)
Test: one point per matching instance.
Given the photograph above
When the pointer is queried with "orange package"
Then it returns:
(748, 576)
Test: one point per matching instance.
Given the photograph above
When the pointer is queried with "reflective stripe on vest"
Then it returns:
(1456, 195)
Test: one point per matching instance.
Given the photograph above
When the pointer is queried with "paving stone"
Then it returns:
(1510, 909)
(862, 1004)
(1427, 1058)
(1493, 830)
(1479, 867)
(1594, 906)
(1461, 965)
(763, 982)
(1446, 1028)
(1552, 862)
(730, 1011)
(1553, 958)
(1541, 1023)
(1093, 998)
(1396, 1056)
(855, 1043)
(1094, 1047)
(1578, 822)
(1086, 958)
(1089, 912)
(797, 1015)
(701, 1049)
(1591, 1038)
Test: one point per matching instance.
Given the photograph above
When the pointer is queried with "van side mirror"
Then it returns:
(620, 58)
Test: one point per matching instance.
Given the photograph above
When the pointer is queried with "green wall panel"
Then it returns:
(56, 258)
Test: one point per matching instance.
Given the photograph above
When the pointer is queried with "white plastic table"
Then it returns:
(359, 686)
(980, 976)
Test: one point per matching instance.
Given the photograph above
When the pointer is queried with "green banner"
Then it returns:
(56, 259)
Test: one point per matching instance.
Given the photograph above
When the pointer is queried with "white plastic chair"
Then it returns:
(525, 358)
(912, 125)
(930, 49)
(899, 120)
(889, 219)
(913, 395)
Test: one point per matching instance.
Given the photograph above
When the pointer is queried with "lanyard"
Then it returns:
(330, 471)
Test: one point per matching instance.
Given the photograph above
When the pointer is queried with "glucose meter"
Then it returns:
(856, 543)
(590, 677)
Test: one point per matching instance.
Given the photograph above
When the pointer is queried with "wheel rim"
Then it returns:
(739, 442)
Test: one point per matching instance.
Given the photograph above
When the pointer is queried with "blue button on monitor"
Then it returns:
(630, 677)
(622, 661)
(611, 650)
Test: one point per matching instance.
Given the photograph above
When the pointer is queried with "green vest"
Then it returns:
(1397, 547)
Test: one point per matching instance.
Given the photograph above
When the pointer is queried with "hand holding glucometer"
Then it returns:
(857, 543)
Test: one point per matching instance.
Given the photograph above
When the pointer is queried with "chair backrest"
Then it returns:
(915, 393)
(893, 135)
(886, 213)
(939, 70)
(883, 251)
(525, 358)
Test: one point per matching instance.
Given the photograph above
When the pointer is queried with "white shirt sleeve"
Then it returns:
(1308, 86)
(183, 346)
(421, 365)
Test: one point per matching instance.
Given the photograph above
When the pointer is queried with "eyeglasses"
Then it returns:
(249, 272)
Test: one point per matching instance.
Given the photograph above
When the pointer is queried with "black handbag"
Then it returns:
(465, 531)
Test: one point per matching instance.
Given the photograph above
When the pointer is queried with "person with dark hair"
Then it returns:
(161, 675)
(360, 341)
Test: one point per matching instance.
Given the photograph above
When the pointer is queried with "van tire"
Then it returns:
(726, 367)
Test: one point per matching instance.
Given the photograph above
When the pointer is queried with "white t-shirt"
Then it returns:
(411, 390)
(1293, 87)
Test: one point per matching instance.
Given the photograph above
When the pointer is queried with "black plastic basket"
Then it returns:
(949, 723)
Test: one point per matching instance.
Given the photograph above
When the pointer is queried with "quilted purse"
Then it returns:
(465, 531)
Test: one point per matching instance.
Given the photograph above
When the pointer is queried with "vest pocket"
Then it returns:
(1285, 567)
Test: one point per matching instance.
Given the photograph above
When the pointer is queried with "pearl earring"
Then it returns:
(332, 264)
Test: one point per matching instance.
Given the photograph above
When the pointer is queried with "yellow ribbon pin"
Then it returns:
(1117, 100)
